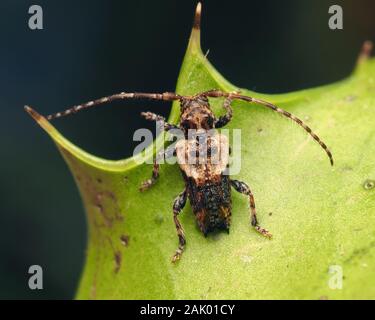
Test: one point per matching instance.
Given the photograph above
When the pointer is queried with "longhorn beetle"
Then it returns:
(206, 185)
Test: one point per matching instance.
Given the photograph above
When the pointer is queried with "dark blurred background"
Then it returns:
(88, 49)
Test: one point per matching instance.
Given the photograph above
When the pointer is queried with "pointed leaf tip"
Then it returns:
(197, 17)
(365, 52)
(35, 115)
(195, 36)
(40, 120)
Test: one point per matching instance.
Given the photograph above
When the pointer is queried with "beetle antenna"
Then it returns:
(166, 96)
(218, 93)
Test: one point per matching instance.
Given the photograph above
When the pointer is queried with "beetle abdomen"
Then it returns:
(211, 203)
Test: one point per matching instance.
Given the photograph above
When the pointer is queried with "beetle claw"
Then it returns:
(176, 257)
(264, 232)
(145, 185)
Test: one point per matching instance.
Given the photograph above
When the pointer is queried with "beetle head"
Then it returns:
(196, 113)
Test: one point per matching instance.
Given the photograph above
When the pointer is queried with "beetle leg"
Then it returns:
(155, 175)
(160, 119)
(224, 120)
(178, 205)
(243, 188)
(163, 154)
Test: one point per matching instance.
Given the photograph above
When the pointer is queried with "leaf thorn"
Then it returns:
(195, 36)
(197, 17)
(365, 52)
(35, 115)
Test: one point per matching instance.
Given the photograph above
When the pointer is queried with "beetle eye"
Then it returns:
(207, 122)
(210, 121)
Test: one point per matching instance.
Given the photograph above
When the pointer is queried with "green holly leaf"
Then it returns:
(321, 217)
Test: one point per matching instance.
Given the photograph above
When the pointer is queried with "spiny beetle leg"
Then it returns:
(155, 175)
(225, 119)
(178, 205)
(169, 152)
(243, 188)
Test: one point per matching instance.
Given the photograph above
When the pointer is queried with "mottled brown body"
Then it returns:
(203, 159)
(206, 180)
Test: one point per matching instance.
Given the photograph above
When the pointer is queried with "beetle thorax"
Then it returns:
(196, 114)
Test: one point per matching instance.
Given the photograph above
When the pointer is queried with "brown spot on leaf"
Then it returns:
(351, 98)
(360, 252)
(125, 239)
(159, 219)
(104, 212)
(118, 259)
(369, 184)
(346, 168)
